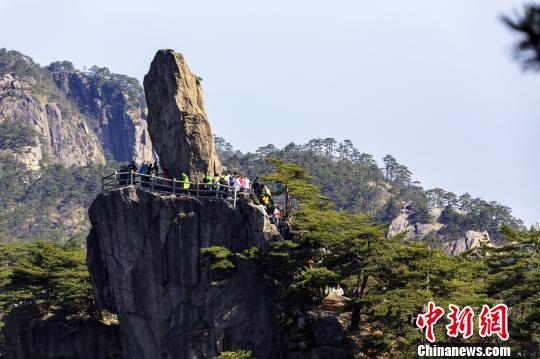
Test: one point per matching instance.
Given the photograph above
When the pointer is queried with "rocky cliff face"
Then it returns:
(60, 133)
(77, 117)
(177, 118)
(118, 114)
(145, 262)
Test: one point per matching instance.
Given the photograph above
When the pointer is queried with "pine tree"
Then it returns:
(51, 275)
(528, 25)
(514, 279)
(390, 165)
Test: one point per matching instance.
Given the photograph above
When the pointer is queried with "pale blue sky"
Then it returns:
(431, 82)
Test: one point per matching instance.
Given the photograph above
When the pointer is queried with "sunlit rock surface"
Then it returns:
(177, 119)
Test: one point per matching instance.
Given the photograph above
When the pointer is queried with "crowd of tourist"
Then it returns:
(220, 185)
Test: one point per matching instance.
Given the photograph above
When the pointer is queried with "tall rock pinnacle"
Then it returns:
(177, 120)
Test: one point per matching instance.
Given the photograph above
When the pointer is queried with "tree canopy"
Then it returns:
(51, 275)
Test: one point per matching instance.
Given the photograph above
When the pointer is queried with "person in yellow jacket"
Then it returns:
(266, 195)
(185, 181)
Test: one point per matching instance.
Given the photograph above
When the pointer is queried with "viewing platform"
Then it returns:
(168, 186)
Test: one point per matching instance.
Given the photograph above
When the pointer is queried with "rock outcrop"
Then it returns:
(145, 264)
(117, 110)
(321, 332)
(419, 231)
(471, 239)
(32, 334)
(402, 223)
(177, 118)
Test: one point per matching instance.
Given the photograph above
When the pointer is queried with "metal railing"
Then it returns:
(168, 186)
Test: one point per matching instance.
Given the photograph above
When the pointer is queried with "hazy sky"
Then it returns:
(431, 82)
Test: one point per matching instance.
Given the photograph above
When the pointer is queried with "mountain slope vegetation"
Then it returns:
(354, 182)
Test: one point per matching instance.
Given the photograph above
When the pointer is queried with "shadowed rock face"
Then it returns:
(145, 264)
(31, 333)
(119, 120)
(177, 120)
